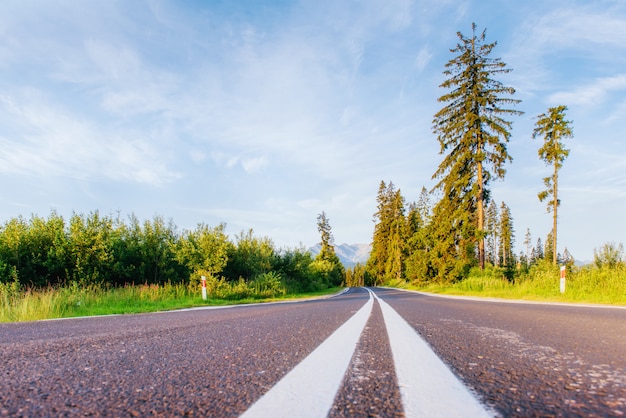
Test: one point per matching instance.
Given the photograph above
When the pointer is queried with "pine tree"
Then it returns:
(472, 130)
(539, 250)
(376, 262)
(394, 266)
(568, 258)
(388, 245)
(507, 235)
(327, 255)
(423, 205)
(549, 251)
(414, 221)
(450, 236)
(417, 264)
(553, 127)
(492, 228)
(527, 243)
(326, 235)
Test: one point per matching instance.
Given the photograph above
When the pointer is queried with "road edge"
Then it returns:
(501, 300)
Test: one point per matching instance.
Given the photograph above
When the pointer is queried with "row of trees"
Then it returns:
(96, 249)
(464, 227)
(410, 245)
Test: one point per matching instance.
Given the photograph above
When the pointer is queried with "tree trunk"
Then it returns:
(556, 205)
(481, 216)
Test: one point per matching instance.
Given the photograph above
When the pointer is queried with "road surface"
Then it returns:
(378, 352)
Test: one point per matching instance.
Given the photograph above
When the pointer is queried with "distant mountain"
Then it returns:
(349, 254)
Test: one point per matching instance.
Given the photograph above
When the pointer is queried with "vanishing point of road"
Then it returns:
(365, 352)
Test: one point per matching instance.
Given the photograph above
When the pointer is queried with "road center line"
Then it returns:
(310, 388)
(427, 386)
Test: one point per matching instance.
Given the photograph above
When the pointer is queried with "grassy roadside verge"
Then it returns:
(541, 283)
(18, 305)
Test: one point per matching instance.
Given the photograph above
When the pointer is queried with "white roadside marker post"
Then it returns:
(203, 287)
(562, 279)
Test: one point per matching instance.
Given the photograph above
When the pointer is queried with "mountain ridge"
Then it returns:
(349, 254)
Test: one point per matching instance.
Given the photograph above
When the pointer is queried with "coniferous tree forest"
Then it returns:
(458, 225)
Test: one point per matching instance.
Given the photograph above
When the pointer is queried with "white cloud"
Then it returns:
(398, 12)
(43, 139)
(114, 63)
(593, 93)
(198, 156)
(250, 164)
(618, 113)
(254, 164)
(551, 47)
(580, 27)
(423, 58)
(348, 115)
(224, 159)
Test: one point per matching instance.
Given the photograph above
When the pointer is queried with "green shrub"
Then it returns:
(268, 285)
(610, 255)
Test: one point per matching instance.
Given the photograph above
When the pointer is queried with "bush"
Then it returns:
(268, 285)
(610, 255)
(294, 268)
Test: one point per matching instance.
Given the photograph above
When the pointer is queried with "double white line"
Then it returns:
(428, 388)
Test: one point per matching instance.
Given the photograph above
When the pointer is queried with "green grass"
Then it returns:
(588, 284)
(72, 301)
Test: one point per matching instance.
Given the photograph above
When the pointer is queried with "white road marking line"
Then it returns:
(309, 390)
(427, 386)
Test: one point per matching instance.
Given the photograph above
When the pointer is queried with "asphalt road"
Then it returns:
(513, 359)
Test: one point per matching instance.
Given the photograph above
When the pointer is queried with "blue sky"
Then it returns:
(262, 114)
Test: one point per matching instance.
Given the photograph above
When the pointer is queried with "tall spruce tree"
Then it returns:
(549, 252)
(507, 235)
(450, 235)
(376, 262)
(473, 133)
(553, 127)
(539, 255)
(528, 244)
(327, 251)
(397, 243)
(423, 205)
(326, 235)
(389, 242)
(492, 228)
(417, 264)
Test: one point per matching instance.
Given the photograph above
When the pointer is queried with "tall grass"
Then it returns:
(588, 284)
(74, 300)
(17, 304)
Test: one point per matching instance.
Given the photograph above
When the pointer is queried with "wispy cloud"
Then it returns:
(548, 44)
(423, 58)
(593, 93)
(618, 113)
(250, 164)
(578, 27)
(254, 164)
(47, 140)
